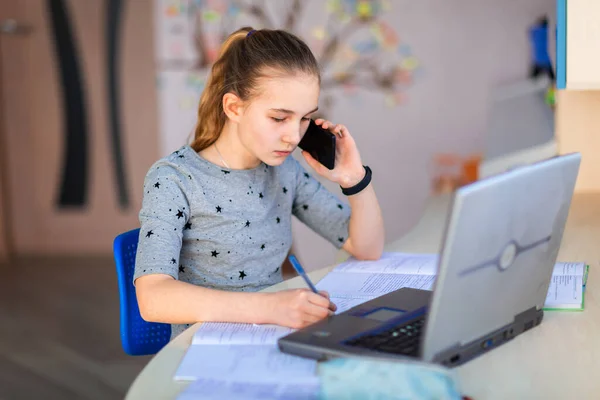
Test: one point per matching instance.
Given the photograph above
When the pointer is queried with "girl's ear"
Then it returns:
(233, 106)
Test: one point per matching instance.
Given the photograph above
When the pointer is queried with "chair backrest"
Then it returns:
(138, 337)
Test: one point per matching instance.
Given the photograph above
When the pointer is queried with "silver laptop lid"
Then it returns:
(500, 246)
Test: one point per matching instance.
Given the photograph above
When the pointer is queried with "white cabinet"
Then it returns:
(578, 44)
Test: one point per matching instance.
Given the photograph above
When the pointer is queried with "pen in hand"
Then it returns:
(302, 273)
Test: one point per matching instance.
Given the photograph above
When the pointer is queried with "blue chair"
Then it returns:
(138, 337)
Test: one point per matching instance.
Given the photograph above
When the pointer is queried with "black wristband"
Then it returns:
(360, 185)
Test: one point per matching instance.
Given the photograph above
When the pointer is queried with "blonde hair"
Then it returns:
(245, 57)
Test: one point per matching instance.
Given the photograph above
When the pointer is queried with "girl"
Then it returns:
(216, 215)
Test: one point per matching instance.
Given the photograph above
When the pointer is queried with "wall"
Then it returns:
(577, 128)
(466, 47)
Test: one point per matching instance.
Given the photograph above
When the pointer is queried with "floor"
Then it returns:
(59, 331)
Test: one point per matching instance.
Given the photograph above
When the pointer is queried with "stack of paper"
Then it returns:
(354, 282)
(213, 389)
(230, 361)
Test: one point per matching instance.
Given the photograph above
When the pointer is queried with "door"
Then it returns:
(79, 121)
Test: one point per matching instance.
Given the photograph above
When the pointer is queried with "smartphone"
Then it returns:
(319, 143)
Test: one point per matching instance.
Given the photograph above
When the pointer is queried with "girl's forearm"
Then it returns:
(164, 299)
(366, 228)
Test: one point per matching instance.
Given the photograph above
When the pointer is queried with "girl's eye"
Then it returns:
(278, 119)
(305, 119)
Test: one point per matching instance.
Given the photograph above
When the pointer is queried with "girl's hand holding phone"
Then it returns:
(348, 170)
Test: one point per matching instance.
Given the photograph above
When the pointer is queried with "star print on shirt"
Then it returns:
(157, 185)
(306, 175)
(284, 189)
(150, 233)
(225, 171)
(187, 226)
(341, 239)
(214, 253)
(181, 156)
(278, 220)
(181, 268)
(179, 214)
(262, 247)
(340, 206)
(218, 209)
(260, 195)
(305, 206)
(247, 224)
(173, 261)
(242, 274)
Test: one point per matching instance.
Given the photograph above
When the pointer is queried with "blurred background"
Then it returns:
(437, 93)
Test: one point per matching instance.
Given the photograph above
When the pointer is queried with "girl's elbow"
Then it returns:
(370, 254)
(147, 312)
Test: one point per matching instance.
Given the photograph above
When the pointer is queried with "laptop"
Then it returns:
(499, 249)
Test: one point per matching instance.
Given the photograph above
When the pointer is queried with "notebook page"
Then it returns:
(235, 333)
(344, 284)
(211, 389)
(346, 303)
(244, 362)
(392, 262)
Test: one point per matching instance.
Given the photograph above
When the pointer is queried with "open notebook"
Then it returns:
(231, 352)
(354, 282)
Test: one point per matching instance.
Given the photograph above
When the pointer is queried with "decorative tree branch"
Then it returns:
(367, 71)
(290, 21)
(200, 39)
(257, 11)
(332, 45)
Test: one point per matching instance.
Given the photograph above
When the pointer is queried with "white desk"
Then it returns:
(560, 359)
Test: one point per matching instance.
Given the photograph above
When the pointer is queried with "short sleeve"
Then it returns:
(164, 214)
(320, 209)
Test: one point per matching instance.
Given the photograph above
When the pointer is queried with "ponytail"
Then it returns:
(211, 117)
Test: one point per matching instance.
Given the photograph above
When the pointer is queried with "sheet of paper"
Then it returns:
(346, 303)
(211, 389)
(344, 284)
(248, 363)
(565, 291)
(234, 333)
(564, 268)
(401, 263)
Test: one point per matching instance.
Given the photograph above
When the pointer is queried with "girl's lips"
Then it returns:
(283, 153)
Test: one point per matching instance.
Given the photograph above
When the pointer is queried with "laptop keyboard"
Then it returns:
(402, 339)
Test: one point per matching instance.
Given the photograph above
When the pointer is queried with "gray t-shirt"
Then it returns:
(229, 229)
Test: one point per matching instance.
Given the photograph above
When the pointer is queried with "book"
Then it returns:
(235, 352)
(567, 287)
(354, 282)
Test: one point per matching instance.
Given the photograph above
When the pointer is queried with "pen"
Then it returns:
(301, 272)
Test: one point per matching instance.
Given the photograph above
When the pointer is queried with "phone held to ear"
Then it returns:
(320, 144)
